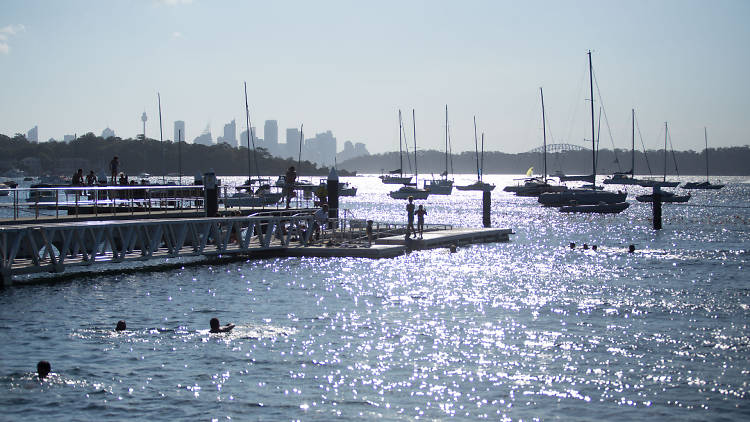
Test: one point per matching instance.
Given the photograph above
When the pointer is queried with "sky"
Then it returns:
(77, 66)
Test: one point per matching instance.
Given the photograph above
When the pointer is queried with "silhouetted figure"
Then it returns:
(43, 368)
(421, 212)
(368, 230)
(320, 220)
(216, 326)
(572, 245)
(631, 248)
(585, 246)
(77, 178)
(91, 178)
(593, 247)
(289, 180)
(114, 167)
(121, 326)
(453, 248)
(410, 218)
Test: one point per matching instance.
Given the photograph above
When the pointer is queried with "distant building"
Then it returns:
(352, 150)
(271, 136)
(243, 141)
(68, 138)
(108, 133)
(179, 131)
(230, 134)
(291, 149)
(33, 134)
(321, 149)
(205, 137)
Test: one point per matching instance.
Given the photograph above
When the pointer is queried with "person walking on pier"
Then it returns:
(114, 166)
(410, 218)
(421, 212)
(289, 180)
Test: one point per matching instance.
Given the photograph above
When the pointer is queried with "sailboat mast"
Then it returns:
(665, 151)
(476, 147)
(301, 137)
(593, 132)
(632, 146)
(481, 172)
(705, 136)
(400, 148)
(416, 169)
(161, 140)
(544, 134)
(247, 120)
(446, 141)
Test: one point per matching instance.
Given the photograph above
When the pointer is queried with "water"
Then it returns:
(523, 330)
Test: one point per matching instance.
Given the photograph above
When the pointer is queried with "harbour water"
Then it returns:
(524, 330)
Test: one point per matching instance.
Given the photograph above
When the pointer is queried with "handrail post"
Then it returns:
(57, 203)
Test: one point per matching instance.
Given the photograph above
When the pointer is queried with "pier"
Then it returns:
(53, 247)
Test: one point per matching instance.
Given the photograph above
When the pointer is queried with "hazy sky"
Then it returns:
(348, 66)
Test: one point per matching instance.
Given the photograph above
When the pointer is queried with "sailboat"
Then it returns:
(650, 183)
(396, 177)
(626, 177)
(706, 184)
(587, 200)
(263, 196)
(479, 184)
(665, 196)
(442, 186)
(535, 186)
(407, 191)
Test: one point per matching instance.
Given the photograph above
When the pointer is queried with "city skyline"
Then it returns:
(348, 68)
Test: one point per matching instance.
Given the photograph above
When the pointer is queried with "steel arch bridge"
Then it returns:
(558, 148)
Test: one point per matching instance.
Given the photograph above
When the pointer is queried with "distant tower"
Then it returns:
(143, 119)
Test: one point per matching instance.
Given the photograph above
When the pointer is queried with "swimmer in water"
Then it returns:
(121, 326)
(216, 327)
(43, 369)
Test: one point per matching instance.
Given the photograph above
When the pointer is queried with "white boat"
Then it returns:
(345, 189)
(600, 208)
(442, 186)
(391, 178)
(406, 191)
(4, 189)
(439, 186)
(706, 184)
(535, 186)
(479, 185)
(581, 199)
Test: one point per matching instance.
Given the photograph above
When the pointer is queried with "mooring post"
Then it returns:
(332, 187)
(486, 208)
(657, 208)
(211, 194)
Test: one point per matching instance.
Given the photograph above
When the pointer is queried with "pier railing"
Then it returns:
(56, 201)
(54, 246)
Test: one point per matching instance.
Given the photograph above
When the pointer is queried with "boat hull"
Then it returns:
(664, 198)
(406, 193)
(439, 187)
(479, 186)
(702, 185)
(596, 208)
(580, 197)
(395, 180)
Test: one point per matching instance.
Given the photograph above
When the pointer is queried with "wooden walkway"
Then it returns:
(53, 247)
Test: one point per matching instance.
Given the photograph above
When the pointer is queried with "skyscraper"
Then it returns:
(108, 133)
(33, 134)
(271, 136)
(292, 143)
(230, 134)
(179, 131)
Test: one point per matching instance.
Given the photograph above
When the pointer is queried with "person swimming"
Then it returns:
(121, 326)
(216, 326)
(43, 368)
